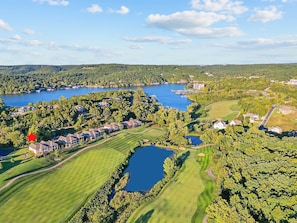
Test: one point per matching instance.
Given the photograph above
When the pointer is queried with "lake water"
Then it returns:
(146, 168)
(195, 140)
(5, 152)
(162, 92)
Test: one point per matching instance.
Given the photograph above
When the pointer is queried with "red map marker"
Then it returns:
(31, 137)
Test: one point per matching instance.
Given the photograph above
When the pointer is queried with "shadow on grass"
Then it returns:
(182, 158)
(8, 165)
(145, 217)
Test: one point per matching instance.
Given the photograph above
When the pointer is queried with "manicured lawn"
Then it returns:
(178, 201)
(207, 195)
(54, 196)
(223, 110)
(286, 122)
(11, 169)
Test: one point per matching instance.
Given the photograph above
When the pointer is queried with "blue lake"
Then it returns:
(162, 92)
(5, 152)
(195, 140)
(146, 168)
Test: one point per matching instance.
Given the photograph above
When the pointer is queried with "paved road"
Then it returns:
(267, 116)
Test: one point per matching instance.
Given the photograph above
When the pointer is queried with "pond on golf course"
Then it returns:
(146, 168)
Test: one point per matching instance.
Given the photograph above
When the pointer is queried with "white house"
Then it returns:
(235, 122)
(219, 125)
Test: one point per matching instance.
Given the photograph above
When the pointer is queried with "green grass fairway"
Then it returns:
(223, 110)
(207, 195)
(54, 196)
(178, 201)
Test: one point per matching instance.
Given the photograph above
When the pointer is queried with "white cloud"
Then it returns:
(16, 37)
(192, 23)
(186, 19)
(264, 42)
(124, 10)
(234, 7)
(5, 26)
(53, 2)
(94, 9)
(158, 39)
(284, 1)
(135, 46)
(29, 31)
(266, 15)
(202, 32)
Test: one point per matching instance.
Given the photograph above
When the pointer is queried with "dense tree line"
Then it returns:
(256, 177)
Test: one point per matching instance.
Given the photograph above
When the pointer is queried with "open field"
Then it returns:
(55, 195)
(223, 110)
(178, 201)
(287, 122)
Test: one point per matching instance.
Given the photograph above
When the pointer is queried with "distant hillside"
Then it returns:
(29, 78)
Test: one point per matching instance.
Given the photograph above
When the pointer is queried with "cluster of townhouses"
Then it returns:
(72, 140)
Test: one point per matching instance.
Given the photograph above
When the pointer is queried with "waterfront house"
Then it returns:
(198, 85)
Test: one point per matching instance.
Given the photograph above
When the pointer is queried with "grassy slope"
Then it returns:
(178, 201)
(55, 195)
(286, 122)
(224, 110)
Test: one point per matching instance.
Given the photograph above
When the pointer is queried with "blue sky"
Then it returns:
(182, 32)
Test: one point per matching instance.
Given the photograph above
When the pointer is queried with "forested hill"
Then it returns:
(28, 78)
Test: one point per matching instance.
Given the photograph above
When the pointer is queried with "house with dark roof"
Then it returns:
(50, 144)
(68, 141)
